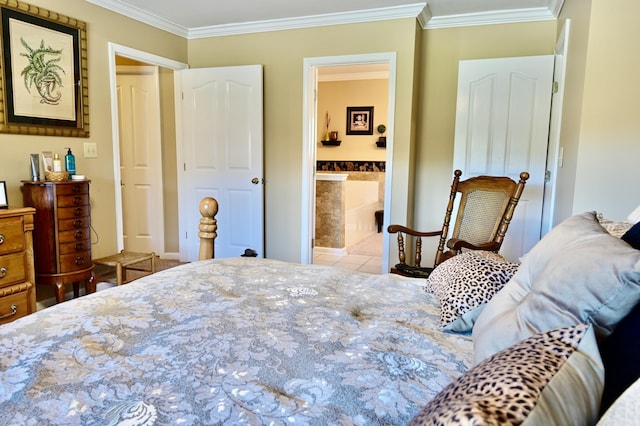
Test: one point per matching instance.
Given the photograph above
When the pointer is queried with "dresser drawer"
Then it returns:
(73, 189)
(76, 246)
(73, 235)
(73, 212)
(11, 234)
(75, 262)
(14, 306)
(12, 268)
(71, 224)
(73, 200)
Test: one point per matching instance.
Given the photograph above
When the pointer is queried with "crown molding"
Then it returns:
(348, 76)
(493, 17)
(379, 14)
(419, 11)
(370, 15)
(142, 16)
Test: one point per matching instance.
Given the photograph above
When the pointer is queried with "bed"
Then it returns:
(234, 341)
(259, 341)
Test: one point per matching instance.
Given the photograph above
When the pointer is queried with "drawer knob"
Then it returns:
(79, 246)
(76, 188)
(77, 211)
(3, 272)
(14, 310)
(77, 223)
(1, 238)
(78, 235)
(77, 200)
(79, 261)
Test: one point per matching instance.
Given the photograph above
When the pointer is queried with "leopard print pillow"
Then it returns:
(465, 283)
(507, 387)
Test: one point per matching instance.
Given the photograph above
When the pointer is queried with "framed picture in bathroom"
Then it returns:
(4, 202)
(44, 72)
(360, 120)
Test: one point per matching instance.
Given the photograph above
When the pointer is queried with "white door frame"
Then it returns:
(149, 58)
(309, 136)
(555, 152)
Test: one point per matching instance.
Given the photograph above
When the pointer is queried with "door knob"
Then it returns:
(255, 181)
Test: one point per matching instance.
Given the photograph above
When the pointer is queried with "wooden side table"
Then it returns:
(125, 260)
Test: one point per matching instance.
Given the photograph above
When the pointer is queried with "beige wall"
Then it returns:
(607, 172)
(102, 27)
(578, 11)
(282, 54)
(599, 135)
(334, 97)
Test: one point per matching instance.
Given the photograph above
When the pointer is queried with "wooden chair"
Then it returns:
(485, 210)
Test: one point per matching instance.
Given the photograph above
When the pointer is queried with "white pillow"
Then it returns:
(634, 216)
(626, 409)
(577, 273)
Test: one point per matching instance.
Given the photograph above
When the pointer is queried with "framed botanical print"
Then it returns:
(44, 72)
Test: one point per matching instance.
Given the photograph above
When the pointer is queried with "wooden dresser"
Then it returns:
(62, 234)
(17, 276)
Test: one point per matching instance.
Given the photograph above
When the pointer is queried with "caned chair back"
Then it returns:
(484, 211)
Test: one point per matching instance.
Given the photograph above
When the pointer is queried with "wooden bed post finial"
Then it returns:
(208, 227)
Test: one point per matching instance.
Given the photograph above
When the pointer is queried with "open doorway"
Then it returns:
(313, 70)
(350, 174)
(166, 231)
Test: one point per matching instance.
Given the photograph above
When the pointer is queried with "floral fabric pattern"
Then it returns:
(234, 341)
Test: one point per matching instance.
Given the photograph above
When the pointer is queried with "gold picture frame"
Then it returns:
(43, 78)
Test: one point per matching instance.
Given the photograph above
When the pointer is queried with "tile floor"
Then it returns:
(365, 256)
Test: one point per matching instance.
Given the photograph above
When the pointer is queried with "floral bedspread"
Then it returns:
(232, 341)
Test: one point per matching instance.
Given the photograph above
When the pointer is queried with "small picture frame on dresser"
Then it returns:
(4, 202)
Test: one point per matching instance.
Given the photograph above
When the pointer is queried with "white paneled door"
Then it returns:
(220, 154)
(140, 158)
(502, 128)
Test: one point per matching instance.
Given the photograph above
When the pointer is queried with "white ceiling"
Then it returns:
(208, 18)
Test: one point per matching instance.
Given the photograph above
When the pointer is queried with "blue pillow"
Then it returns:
(620, 353)
(632, 236)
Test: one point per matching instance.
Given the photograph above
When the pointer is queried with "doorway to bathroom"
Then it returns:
(348, 180)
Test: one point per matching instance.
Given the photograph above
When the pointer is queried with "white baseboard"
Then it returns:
(330, 250)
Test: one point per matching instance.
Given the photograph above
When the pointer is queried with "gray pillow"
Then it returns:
(577, 273)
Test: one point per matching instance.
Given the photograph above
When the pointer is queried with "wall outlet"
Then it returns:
(90, 150)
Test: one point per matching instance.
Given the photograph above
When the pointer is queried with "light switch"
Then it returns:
(90, 150)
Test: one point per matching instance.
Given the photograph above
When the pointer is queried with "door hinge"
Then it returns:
(555, 87)
(313, 242)
(184, 166)
(547, 176)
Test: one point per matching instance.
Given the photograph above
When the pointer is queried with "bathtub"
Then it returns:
(345, 211)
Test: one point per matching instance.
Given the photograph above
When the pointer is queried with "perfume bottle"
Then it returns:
(57, 163)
